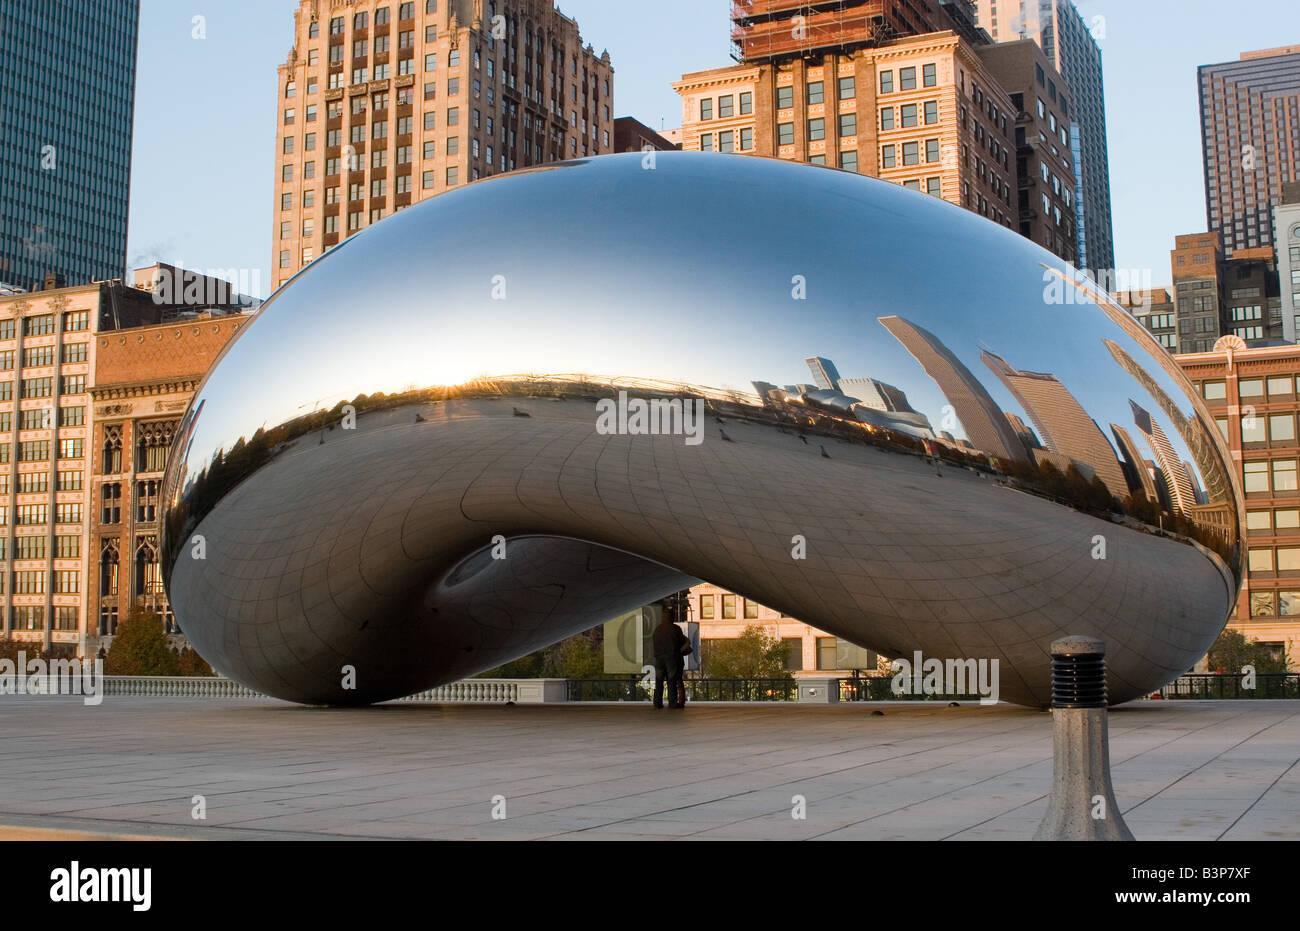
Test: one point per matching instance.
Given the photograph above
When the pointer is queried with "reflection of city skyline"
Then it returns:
(981, 418)
(1063, 425)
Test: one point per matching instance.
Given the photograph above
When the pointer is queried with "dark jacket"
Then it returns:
(668, 640)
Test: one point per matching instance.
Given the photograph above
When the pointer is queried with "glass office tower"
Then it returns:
(67, 89)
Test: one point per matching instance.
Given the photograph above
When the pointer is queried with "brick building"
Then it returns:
(54, 346)
(1253, 393)
(383, 103)
(923, 111)
(143, 380)
(1046, 184)
(724, 615)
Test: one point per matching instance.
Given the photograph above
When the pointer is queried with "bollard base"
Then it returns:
(1082, 805)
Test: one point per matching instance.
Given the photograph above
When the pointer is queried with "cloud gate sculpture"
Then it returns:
(518, 409)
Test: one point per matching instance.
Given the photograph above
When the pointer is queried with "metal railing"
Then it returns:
(880, 688)
(1213, 686)
(632, 689)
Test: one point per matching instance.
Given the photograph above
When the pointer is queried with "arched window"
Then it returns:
(112, 462)
(148, 580)
(108, 568)
(154, 439)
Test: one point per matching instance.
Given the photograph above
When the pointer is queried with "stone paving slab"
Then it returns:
(269, 770)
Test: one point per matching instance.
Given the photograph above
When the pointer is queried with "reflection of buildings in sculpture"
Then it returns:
(1063, 424)
(1197, 491)
(1199, 443)
(1027, 434)
(1136, 464)
(1179, 487)
(877, 395)
(884, 405)
(824, 373)
(984, 423)
(1194, 433)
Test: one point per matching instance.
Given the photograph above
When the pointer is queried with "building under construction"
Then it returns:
(771, 30)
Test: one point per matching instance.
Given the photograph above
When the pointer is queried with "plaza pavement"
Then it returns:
(920, 771)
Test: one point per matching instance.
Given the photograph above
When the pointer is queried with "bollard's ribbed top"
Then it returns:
(1078, 646)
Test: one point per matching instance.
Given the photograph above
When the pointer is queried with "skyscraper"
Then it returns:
(1136, 462)
(986, 426)
(824, 373)
(1070, 45)
(1181, 495)
(385, 103)
(67, 100)
(1062, 423)
(1250, 134)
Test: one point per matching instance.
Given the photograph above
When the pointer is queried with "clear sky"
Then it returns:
(204, 159)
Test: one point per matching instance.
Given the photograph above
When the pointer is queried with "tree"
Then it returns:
(1233, 650)
(140, 648)
(578, 657)
(755, 654)
(191, 664)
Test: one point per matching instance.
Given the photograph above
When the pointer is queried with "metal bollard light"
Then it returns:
(1082, 805)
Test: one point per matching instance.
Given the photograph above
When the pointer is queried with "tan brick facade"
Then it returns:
(144, 379)
(384, 103)
(923, 112)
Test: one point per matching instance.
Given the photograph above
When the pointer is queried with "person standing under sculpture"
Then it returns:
(670, 663)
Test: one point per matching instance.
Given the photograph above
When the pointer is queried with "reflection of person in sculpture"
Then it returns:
(932, 450)
(670, 664)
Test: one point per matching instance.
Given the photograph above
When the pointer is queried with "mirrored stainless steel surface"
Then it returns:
(856, 404)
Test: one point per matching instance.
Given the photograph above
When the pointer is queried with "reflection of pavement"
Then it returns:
(1182, 770)
(897, 559)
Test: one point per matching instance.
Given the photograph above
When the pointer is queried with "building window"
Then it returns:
(751, 609)
(848, 88)
(706, 107)
(933, 187)
(146, 501)
(907, 79)
(746, 139)
(932, 150)
(726, 106)
(726, 141)
(887, 156)
(817, 129)
(706, 607)
(826, 645)
(848, 124)
(784, 97)
(38, 326)
(785, 134)
(793, 653)
(849, 160)
(728, 607)
(911, 153)
(72, 320)
(909, 114)
(706, 142)
(747, 106)
(886, 82)
(931, 112)
(816, 92)
(1284, 475)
